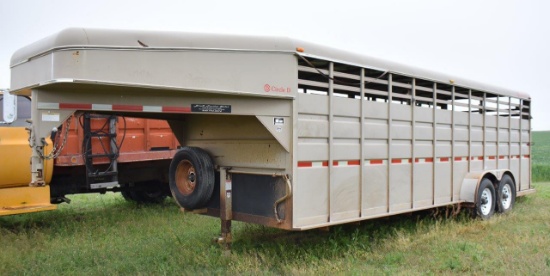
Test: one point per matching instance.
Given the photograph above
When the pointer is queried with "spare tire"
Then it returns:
(192, 177)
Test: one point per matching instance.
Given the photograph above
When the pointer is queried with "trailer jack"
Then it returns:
(225, 238)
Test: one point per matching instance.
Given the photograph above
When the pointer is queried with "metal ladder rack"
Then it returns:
(97, 178)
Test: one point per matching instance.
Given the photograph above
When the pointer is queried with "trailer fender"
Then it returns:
(470, 184)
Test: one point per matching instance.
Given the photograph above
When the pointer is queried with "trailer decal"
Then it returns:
(211, 108)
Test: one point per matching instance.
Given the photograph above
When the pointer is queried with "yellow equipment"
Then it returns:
(16, 195)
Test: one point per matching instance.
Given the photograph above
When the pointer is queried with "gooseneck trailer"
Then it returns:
(287, 133)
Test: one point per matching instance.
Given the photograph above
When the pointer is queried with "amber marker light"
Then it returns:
(299, 49)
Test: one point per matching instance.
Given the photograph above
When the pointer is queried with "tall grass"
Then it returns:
(105, 235)
(540, 149)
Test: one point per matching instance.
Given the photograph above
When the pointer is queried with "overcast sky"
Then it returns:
(505, 43)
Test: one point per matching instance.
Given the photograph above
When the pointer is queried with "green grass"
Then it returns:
(104, 235)
(108, 236)
(541, 156)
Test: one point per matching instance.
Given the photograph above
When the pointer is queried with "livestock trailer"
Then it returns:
(287, 133)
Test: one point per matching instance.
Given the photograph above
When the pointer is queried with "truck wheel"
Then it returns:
(485, 203)
(145, 192)
(192, 177)
(506, 195)
(128, 195)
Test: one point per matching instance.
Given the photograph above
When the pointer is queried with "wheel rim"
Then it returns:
(186, 177)
(506, 196)
(486, 201)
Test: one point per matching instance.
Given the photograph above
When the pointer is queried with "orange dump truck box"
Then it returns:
(139, 140)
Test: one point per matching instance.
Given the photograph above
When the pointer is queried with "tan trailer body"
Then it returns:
(358, 137)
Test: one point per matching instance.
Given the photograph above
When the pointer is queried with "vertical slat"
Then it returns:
(520, 144)
(469, 130)
(530, 142)
(434, 124)
(498, 133)
(362, 142)
(330, 137)
(452, 142)
(509, 132)
(413, 141)
(484, 129)
(390, 88)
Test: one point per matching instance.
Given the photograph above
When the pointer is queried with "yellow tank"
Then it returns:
(15, 155)
(16, 196)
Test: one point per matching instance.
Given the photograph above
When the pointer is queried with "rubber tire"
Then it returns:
(506, 180)
(149, 192)
(204, 181)
(485, 184)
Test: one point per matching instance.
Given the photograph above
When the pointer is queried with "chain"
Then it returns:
(57, 151)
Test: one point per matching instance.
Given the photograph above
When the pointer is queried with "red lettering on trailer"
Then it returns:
(275, 88)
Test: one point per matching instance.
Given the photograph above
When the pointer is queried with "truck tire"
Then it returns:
(506, 194)
(486, 199)
(148, 192)
(192, 177)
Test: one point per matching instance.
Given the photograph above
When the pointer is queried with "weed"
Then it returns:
(107, 235)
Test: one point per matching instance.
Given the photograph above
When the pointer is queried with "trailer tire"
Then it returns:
(192, 177)
(485, 199)
(506, 194)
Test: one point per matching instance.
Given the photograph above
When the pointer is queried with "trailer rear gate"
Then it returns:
(357, 137)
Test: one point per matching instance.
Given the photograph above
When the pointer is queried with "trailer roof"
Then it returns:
(160, 40)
